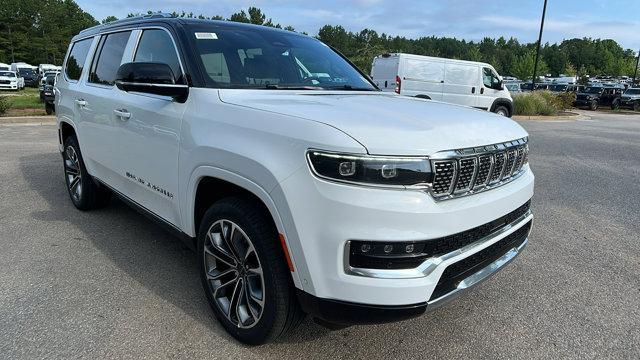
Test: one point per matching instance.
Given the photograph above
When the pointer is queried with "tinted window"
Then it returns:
(156, 46)
(7, 74)
(76, 59)
(108, 59)
(239, 58)
(490, 78)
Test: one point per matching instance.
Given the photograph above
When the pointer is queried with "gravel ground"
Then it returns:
(111, 284)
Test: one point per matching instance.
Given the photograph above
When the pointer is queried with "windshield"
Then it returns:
(593, 90)
(632, 92)
(24, 71)
(7, 74)
(512, 87)
(267, 59)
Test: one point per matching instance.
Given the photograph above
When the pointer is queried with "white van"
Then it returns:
(459, 82)
(5, 67)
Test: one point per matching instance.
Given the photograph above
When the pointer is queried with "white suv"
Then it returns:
(302, 188)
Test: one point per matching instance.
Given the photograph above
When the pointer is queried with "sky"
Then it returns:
(464, 19)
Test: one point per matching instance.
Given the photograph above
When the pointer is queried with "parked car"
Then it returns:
(301, 187)
(49, 94)
(5, 67)
(45, 68)
(459, 82)
(595, 96)
(8, 80)
(630, 99)
(558, 88)
(26, 72)
(513, 87)
(43, 82)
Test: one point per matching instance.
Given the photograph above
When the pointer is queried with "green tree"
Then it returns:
(524, 64)
(109, 19)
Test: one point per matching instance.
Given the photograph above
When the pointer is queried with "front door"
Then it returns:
(490, 89)
(150, 133)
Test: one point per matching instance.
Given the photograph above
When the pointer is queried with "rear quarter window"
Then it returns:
(77, 56)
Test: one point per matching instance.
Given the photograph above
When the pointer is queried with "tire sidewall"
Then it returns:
(502, 109)
(262, 330)
(81, 203)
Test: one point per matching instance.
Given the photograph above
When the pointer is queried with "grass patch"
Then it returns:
(28, 98)
(543, 103)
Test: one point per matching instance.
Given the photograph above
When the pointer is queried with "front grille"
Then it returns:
(5, 81)
(444, 173)
(484, 167)
(456, 272)
(375, 257)
(465, 171)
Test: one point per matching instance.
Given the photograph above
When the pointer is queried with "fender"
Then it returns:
(67, 121)
(504, 102)
(188, 205)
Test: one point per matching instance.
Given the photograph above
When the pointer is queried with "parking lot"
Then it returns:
(111, 284)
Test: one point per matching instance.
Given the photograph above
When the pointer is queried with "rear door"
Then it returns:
(460, 83)
(149, 130)
(384, 72)
(100, 128)
(422, 77)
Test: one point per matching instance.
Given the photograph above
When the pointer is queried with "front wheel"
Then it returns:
(615, 105)
(244, 272)
(636, 106)
(501, 110)
(593, 105)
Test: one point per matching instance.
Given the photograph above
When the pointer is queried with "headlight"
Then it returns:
(371, 170)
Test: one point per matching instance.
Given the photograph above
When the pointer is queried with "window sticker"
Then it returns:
(206, 36)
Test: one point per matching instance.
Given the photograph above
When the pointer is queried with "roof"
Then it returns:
(168, 18)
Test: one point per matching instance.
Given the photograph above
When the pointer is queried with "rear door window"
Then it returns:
(76, 59)
(108, 58)
(156, 45)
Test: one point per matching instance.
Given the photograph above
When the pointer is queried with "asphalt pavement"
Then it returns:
(112, 284)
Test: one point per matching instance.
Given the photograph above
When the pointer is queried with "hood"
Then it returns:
(386, 124)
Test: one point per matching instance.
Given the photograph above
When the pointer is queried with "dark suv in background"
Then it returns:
(631, 99)
(30, 77)
(595, 96)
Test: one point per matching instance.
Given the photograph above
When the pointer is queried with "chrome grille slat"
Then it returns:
(466, 171)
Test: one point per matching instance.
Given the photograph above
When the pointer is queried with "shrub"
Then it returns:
(538, 103)
(4, 104)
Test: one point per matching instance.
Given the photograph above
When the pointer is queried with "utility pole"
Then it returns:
(535, 66)
(635, 74)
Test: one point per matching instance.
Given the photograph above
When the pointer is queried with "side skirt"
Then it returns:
(189, 241)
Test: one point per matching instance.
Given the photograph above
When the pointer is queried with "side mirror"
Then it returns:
(150, 78)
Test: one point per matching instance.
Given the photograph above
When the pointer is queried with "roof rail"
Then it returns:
(130, 19)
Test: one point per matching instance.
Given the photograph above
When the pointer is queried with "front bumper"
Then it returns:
(582, 102)
(321, 217)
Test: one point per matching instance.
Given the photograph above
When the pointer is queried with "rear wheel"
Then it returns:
(48, 108)
(84, 192)
(244, 273)
(636, 106)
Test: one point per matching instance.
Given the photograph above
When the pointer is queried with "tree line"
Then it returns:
(38, 31)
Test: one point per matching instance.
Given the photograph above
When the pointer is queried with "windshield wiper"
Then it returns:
(290, 87)
(348, 87)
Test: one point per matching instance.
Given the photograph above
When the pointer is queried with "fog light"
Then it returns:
(389, 171)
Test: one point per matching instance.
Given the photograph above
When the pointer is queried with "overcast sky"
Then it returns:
(467, 19)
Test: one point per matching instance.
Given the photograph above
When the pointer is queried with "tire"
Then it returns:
(502, 110)
(48, 109)
(257, 243)
(83, 190)
(593, 105)
(615, 105)
(636, 106)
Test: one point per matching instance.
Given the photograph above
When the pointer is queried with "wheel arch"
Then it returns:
(209, 184)
(423, 96)
(508, 103)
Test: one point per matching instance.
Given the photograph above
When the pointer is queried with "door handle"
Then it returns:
(81, 102)
(122, 114)
(473, 90)
(481, 90)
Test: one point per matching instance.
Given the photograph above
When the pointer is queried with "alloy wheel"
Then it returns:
(73, 173)
(234, 273)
